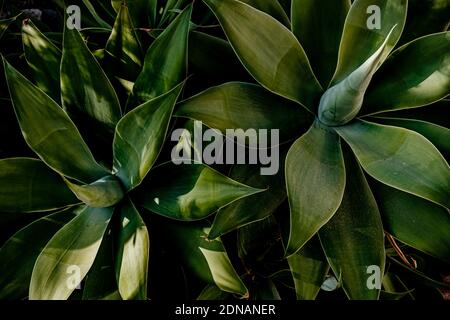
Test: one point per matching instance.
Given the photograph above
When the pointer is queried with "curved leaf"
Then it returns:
(28, 185)
(315, 181)
(123, 47)
(271, 7)
(49, 131)
(400, 158)
(438, 135)
(70, 253)
(309, 268)
(190, 192)
(165, 62)
(140, 135)
(102, 193)
(415, 75)
(359, 42)
(19, 253)
(318, 25)
(204, 258)
(343, 101)
(85, 87)
(417, 222)
(270, 52)
(244, 106)
(353, 240)
(44, 58)
(133, 254)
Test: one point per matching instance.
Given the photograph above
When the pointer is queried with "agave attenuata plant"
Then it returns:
(329, 63)
(94, 207)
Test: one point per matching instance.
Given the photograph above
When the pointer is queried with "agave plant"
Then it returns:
(83, 209)
(357, 172)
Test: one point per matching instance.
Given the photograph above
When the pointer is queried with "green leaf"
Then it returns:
(400, 158)
(133, 254)
(438, 135)
(251, 208)
(318, 25)
(85, 87)
(49, 131)
(28, 185)
(342, 102)
(212, 292)
(353, 240)
(19, 253)
(100, 282)
(5, 23)
(140, 135)
(123, 47)
(44, 58)
(204, 258)
(359, 42)
(222, 108)
(165, 62)
(309, 268)
(142, 12)
(272, 8)
(102, 193)
(95, 15)
(270, 52)
(417, 222)
(315, 181)
(69, 254)
(190, 192)
(415, 75)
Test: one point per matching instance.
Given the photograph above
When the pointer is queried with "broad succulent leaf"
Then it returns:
(19, 253)
(359, 42)
(140, 135)
(28, 185)
(49, 131)
(415, 75)
(318, 25)
(272, 8)
(165, 62)
(44, 58)
(132, 254)
(315, 181)
(415, 221)
(190, 192)
(353, 240)
(221, 108)
(278, 63)
(309, 268)
(400, 158)
(74, 247)
(85, 87)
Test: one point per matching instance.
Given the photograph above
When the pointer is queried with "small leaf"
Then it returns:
(44, 58)
(353, 240)
(85, 87)
(102, 193)
(69, 254)
(190, 192)
(415, 221)
(133, 254)
(49, 131)
(318, 25)
(140, 135)
(342, 102)
(315, 181)
(28, 185)
(400, 158)
(165, 62)
(415, 75)
(123, 47)
(222, 108)
(270, 52)
(365, 32)
(309, 268)
(19, 253)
